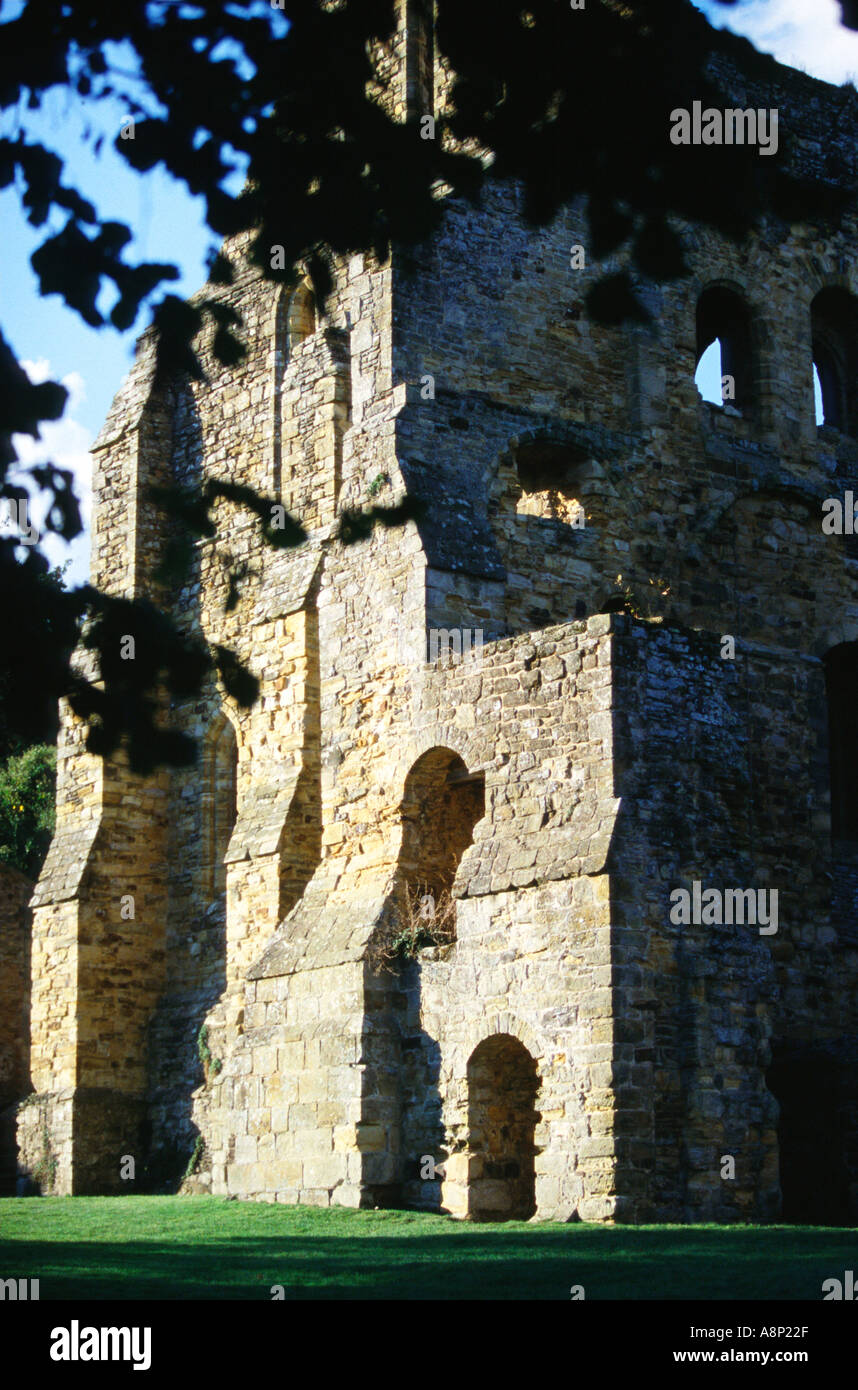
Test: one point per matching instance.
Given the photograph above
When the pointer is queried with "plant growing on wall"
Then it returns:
(195, 1158)
(377, 484)
(211, 1065)
(423, 918)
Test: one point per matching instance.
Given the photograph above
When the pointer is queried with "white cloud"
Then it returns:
(804, 34)
(65, 442)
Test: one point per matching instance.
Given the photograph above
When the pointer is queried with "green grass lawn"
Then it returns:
(204, 1247)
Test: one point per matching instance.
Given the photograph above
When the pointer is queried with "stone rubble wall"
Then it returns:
(15, 932)
(248, 1038)
(724, 780)
(312, 977)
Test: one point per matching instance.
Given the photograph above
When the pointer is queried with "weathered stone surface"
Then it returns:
(567, 1049)
(15, 928)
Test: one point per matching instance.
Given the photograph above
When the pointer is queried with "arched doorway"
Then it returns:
(503, 1082)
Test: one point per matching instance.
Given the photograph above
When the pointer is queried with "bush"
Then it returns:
(424, 916)
(27, 787)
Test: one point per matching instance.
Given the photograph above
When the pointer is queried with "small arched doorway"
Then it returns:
(503, 1082)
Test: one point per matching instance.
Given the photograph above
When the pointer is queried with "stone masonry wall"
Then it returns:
(251, 1026)
(15, 929)
(719, 770)
(333, 1090)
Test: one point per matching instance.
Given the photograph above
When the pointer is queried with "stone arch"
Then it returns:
(708, 520)
(724, 313)
(737, 277)
(503, 1084)
(219, 801)
(492, 1023)
(473, 748)
(741, 287)
(552, 478)
(839, 628)
(834, 338)
(556, 476)
(469, 748)
(813, 274)
(442, 802)
(821, 272)
(296, 319)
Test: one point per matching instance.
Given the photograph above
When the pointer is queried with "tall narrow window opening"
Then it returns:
(834, 328)
(296, 320)
(724, 320)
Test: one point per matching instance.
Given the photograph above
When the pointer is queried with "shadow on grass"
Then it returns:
(610, 1263)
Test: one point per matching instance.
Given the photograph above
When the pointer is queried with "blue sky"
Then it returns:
(805, 34)
(168, 225)
(50, 339)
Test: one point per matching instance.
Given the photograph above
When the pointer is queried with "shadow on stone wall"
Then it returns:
(196, 954)
(423, 1137)
(16, 921)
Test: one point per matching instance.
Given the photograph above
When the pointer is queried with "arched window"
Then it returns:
(841, 688)
(834, 328)
(219, 802)
(441, 805)
(296, 319)
(724, 323)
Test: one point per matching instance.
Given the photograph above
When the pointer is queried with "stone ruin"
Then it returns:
(404, 934)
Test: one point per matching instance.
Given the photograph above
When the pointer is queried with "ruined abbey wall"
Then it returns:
(249, 1023)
